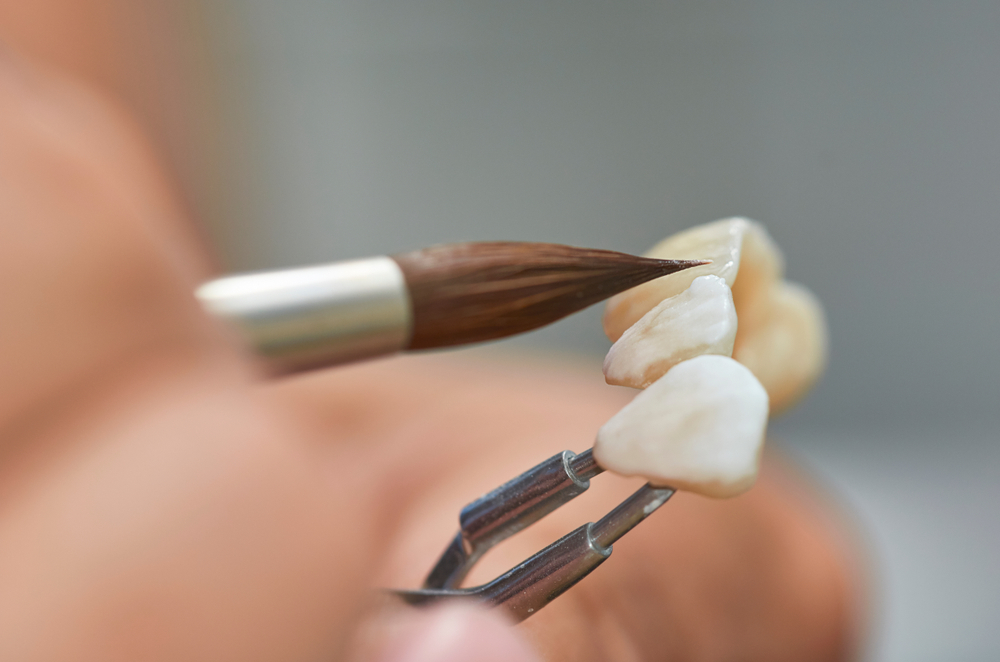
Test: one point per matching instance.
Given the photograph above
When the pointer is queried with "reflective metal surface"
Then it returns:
(509, 508)
(316, 316)
(536, 582)
(629, 513)
(531, 585)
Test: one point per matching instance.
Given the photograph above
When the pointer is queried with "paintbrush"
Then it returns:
(453, 294)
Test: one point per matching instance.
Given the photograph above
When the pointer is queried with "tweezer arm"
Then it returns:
(510, 508)
(536, 582)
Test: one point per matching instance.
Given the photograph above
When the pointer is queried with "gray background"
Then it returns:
(865, 135)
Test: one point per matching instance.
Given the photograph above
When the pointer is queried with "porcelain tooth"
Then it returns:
(699, 320)
(786, 346)
(698, 428)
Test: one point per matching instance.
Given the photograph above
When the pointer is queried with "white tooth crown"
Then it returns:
(699, 320)
(700, 428)
(728, 243)
(781, 334)
(786, 345)
(761, 266)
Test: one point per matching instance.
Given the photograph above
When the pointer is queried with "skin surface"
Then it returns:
(160, 500)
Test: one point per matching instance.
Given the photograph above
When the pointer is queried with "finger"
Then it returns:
(454, 633)
(151, 505)
(762, 576)
(96, 271)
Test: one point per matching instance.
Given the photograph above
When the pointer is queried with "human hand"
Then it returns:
(159, 500)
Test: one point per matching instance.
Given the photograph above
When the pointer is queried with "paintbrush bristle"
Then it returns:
(471, 292)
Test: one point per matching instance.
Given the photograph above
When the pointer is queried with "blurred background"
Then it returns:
(864, 135)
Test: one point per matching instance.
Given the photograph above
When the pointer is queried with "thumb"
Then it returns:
(455, 633)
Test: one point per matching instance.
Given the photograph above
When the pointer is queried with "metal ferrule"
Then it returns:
(312, 317)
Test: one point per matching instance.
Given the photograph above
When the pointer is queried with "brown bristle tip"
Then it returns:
(472, 292)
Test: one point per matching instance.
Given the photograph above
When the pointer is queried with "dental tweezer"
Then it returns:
(537, 581)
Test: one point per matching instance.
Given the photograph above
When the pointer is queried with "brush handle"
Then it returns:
(298, 319)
